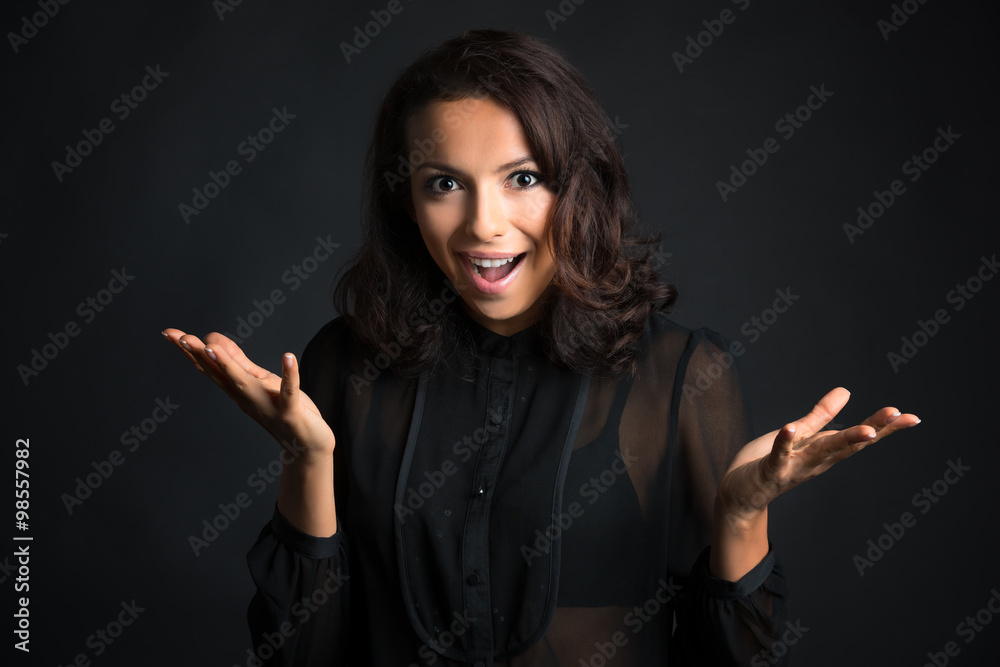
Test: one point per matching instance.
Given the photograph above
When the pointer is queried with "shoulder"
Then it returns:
(665, 336)
(335, 330)
(683, 350)
(333, 345)
(331, 336)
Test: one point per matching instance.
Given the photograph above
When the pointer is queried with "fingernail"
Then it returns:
(891, 418)
(916, 422)
(185, 344)
(210, 353)
(288, 360)
(165, 334)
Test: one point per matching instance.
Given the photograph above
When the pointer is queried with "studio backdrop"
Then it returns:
(823, 174)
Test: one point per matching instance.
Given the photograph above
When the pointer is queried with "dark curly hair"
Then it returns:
(605, 285)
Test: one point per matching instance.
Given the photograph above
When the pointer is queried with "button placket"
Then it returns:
(475, 547)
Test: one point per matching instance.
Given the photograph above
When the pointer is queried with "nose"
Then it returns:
(486, 216)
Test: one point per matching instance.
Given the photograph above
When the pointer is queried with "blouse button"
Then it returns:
(496, 418)
(473, 579)
(481, 491)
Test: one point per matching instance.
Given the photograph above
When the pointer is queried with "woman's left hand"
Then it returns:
(781, 460)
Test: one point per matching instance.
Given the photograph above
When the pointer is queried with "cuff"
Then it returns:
(742, 587)
(305, 544)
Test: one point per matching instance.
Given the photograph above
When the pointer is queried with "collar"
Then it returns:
(490, 342)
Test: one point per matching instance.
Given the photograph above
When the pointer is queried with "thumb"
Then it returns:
(289, 380)
(784, 442)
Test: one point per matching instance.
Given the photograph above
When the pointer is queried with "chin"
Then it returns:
(498, 311)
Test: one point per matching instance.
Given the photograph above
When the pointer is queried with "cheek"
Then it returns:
(538, 217)
(437, 226)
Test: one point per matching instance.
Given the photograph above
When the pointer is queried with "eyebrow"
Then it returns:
(502, 168)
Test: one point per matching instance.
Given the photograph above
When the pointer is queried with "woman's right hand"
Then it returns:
(275, 402)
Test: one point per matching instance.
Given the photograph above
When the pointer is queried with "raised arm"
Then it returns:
(305, 493)
(778, 462)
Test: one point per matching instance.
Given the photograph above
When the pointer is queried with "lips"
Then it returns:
(492, 273)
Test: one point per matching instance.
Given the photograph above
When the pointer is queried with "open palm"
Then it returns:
(781, 460)
(273, 401)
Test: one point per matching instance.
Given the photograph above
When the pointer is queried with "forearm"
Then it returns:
(739, 525)
(305, 494)
(739, 541)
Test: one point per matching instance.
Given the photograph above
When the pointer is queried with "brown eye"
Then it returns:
(526, 179)
(441, 184)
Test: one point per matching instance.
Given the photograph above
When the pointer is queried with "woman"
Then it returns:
(503, 452)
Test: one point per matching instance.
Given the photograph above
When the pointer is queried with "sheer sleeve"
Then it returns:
(718, 622)
(299, 613)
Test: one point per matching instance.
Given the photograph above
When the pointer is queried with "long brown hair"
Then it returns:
(605, 285)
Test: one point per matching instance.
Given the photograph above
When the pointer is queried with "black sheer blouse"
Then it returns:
(504, 511)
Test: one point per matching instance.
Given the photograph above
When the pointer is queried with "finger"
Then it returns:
(237, 381)
(827, 449)
(216, 341)
(209, 366)
(174, 336)
(822, 413)
(781, 450)
(289, 381)
(888, 420)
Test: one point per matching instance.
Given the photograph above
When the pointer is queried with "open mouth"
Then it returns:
(493, 270)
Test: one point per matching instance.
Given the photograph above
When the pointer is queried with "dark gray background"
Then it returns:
(783, 229)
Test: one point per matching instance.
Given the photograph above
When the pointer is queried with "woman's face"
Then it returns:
(478, 199)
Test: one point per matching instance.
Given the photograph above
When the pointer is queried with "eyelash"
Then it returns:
(436, 193)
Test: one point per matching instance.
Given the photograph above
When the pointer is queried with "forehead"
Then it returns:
(467, 125)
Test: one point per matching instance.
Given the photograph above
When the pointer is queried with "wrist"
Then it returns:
(745, 492)
(739, 540)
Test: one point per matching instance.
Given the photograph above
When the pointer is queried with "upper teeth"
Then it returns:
(491, 262)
